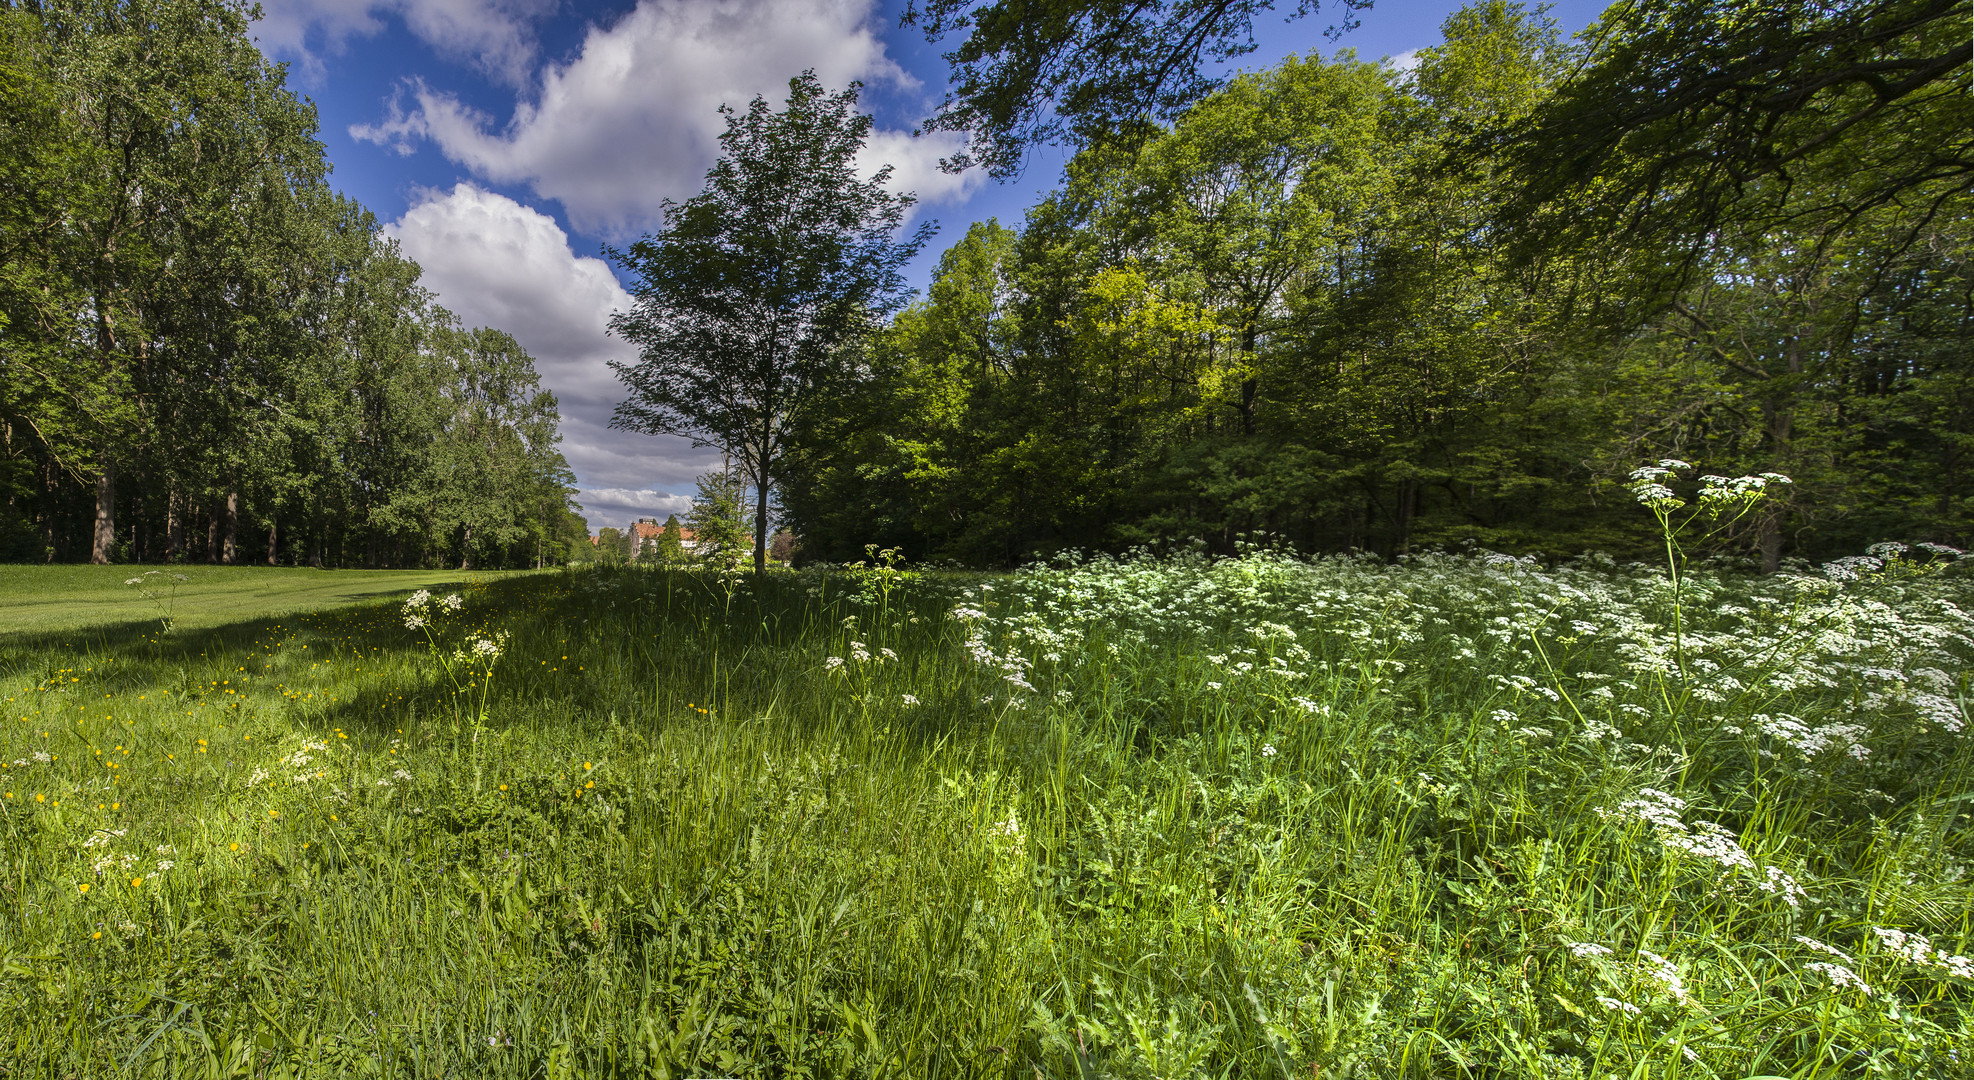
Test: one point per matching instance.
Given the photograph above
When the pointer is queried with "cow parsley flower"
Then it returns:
(1840, 976)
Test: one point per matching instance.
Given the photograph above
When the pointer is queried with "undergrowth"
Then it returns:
(1456, 816)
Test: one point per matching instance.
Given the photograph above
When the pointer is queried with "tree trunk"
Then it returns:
(1779, 421)
(228, 547)
(1768, 539)
(174, 528)
(761, 525)
(106, 517)
(273, 541)
(466, 549)
(212, 535)
(1250, 388)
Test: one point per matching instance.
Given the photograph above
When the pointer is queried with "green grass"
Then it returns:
(1253, 819)
(72, 599)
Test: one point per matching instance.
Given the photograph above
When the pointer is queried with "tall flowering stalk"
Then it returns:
(877, 577)
(166, 602)
(467, 666)
(1723, 501)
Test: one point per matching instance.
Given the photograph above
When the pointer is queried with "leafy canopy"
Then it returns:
(1690, 115)
(1041, 71)
(746, 296)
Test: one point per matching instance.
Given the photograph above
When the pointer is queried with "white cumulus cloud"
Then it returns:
(495, 262)
(495, 36)
(634, 118)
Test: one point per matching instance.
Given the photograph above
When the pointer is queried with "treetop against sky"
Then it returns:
(506, 141)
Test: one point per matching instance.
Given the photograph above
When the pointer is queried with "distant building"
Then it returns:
(644, 535)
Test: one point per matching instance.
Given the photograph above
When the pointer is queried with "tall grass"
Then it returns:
(1462, 816)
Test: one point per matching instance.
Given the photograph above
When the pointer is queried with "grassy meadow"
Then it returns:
(1458, 816)
(64, 600)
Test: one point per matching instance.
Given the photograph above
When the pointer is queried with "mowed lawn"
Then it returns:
(37, 600)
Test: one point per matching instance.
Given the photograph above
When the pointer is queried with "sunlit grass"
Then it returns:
(1258, 818)
(82, 601)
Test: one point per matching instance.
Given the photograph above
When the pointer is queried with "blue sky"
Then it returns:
(504, 142)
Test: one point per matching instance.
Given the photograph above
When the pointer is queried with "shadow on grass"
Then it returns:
(646, 638)
(128, 657)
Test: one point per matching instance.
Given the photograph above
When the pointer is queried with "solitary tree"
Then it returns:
(719, 537)
(745, 300)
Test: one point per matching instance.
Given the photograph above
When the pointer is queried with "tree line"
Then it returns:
(1344, 305)
(208, 355)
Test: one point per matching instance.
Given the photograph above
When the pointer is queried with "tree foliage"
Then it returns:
(745, 298)
(199, 337)
(1689, 115)
(1040, 71)
(1305, 311)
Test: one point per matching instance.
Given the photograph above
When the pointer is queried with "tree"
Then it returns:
(611, 545)
(670, 548)
(744, 301)
(170, 166)
(1034, 71)
(715, 520)
(1689, 116)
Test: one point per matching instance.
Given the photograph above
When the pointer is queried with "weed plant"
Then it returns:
(1455, 816)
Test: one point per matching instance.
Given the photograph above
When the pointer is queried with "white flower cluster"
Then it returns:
(1852, 567)
(1649, 967)
(1739, 489)
(420, 605)
(1942, 712)
(1663, 814)
(859, 653)
(299, 760)
(1648, 484)
(1664, 972)
(1841, 977)
(124, 863)
(1918, 950)
(1809, 741)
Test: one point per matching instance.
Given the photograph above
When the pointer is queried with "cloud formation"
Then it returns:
(495, 262)
(634, 118)
(644, 503)
(495, 36)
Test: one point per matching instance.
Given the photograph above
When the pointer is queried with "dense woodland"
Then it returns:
(1335, 304)
(205, 353)
(1347, 305)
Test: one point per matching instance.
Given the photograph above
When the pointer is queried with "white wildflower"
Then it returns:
(1840, 976)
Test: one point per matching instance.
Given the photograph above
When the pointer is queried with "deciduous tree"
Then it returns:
(745, 299)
